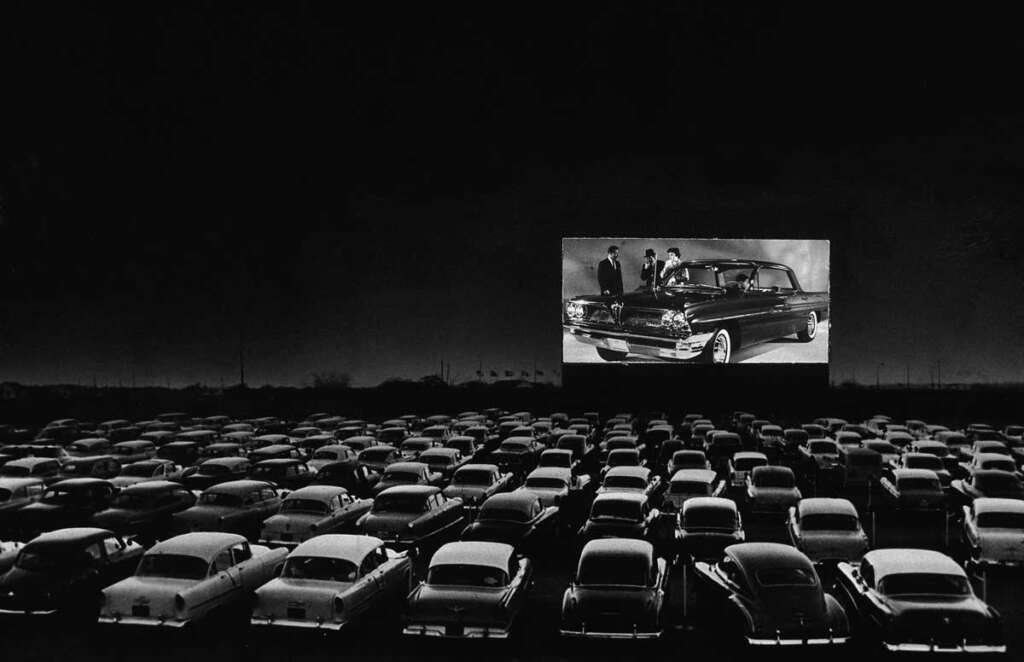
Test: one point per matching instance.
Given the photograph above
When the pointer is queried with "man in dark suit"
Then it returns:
(609, 273)
(651, 273)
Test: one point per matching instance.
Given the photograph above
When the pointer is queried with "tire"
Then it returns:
(610, 354)
(810, 329)
(719, 348)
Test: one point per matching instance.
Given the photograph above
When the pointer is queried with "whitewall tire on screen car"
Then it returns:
(810, 329)
(719, 349)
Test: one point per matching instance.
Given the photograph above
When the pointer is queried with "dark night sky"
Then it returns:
(372, 193)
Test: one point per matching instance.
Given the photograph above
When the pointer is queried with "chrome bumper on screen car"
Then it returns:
(666, 348)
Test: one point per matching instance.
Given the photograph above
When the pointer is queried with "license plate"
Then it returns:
(617, 344)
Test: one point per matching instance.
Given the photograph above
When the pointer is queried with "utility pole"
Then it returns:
(939, 367)
(241, 355)
(878, 369)
(907, 382)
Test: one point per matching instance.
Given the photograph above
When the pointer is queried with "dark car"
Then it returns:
(63, 572)
(987, 483)
(355, 478)
(517, 518)
(95, 466)
(70, 502)
(238, 506)
(147, 470)
(768, 594)
(288, 473)
(913, 489)
(706, 526)
(619, 515)
(917, 601)
(619, 591)
(417, 516)
(704, 313)
(473, 483)
(218, 470)
(517, 454)
(145, 509)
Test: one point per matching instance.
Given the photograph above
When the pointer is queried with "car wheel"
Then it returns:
(810, 329)
(610, 354)
(719, 348)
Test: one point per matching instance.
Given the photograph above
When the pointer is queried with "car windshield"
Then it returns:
(14, 471)
(503, 514)
(220, 499)
(303, 506)
(921, 583)
(998, 520)
(375, 454)
(997, 483)
(922, 484)
(214, 469)
(401, 476)
(929, 462)
(327, 455)
(130, 501)
(774, 479)
(546, 483)
(612, 570)
(692, 275)
(865, 459)
(556, 460)
(399, 503)
(138, 470)
(1014, 430)
(176, 566)
(623, 459)
(437, 460)
(418, 445)
(51, 559)
(709, 518)
(785, 577)
(748, 463)
(64, 496)
(626, 482)
(616, 508)
(472, 477)
(392, 436)
(512, 447)
(1002, 464)
(321, 568)
(828, 522)
(688, 487)
(823, 447)
(461, 574)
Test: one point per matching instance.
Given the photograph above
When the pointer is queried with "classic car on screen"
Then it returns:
(313, 511)
(517, 518)
(619, 591)
(917, 600)
(66, 503)
(827, 529)
(473, 590)
(407, 473)
(769, 594)
(620, 515)
(771, 489)
(707, 525)
(473, 483)
(330, 581)
(189, 577)
(912, 489)
(145, 509)
(238, 506)
(63, 571)
(707, 315)
(993, 531)
(417, 516)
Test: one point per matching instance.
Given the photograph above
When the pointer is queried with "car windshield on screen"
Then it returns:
(614, 508)
(320, 568)
(456, 574)
(399, 503)
(401, 476)
(785, 577)
(303, 506)
(919, 583)
(472, 478)
(688, 487)
(997, 520)
(709, 518)
(824, 448)
(920, 484)
(612, 571)
(828, 522)
(175, 566)
(219, 499)
(546, 483)
(626, 482)
(774, 479)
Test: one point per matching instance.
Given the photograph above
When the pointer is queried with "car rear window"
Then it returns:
(919, 484)
(688, 487)
(467, 575)
(626, 482)
(785, 577)
(401, 476)
(544, 482)
(919, 583)
(616, 508)
(177, 566)
(612, 571)
(303, 506)
(318, 567)
(709, 518)
(472, 477)
(820, 447)
(774, 479)
(399, 503)
(828, 522)
(996, 520)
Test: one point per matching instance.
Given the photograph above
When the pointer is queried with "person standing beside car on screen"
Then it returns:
(674, 272)
(609, 273)
(650, 275)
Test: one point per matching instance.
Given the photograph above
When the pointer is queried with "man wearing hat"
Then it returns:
(650, 275)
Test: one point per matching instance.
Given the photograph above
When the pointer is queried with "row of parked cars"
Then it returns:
(316, 553)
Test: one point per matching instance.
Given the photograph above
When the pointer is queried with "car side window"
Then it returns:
(112, 546)
(867, 573)
(768, 278)
(222, 562)
(241, 552)
(268, 493)
(95, 551)
(369, 564)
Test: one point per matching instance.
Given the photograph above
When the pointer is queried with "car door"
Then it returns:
(247, 573)
(360, 597)
(774, 290)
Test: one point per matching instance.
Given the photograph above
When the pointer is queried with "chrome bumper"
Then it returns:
(28, 612)
(584, 633)
(656, 346)
(982, 649)
(145, 621)
(266, 621)
(796, 641)
(468, 631)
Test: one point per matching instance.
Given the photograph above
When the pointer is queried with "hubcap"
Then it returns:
(720, 351)
(812, 324)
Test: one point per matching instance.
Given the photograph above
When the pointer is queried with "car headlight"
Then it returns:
(574, 310)
(675, 320)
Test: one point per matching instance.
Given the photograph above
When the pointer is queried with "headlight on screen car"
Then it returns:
(574, 310)
(674, 320)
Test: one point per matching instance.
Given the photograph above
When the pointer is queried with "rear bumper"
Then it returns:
(978, 649)
(142, 621)
(584, 633)
(27, 612)
(780, 640)
(461, 632)
(264, 621)
(656, 346)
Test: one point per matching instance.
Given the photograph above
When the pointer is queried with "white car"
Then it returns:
(994, 531)
(329, 580)
(827, 530)
(183, 579)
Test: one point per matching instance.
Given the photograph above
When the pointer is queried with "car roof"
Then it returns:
(406, 466)
(750, 455)
(279, 462)
(201, 544)
(557, 451)
(480, 553)
(620, 496)
(755, 555)
(237, 486)
(29, 461)
(151, 486)
(477, 467)
(998, 505)
(226, 461)
(70, 536)
(347, 546)
(11, 483)
(980, 457)
(133, 443)
(517, 499)
(319, 492)
(551, 472)
(85, 481)
(896, 561)
(701, 475)
(709, 503)
(771, 469)
(914, 473)
(418, 490)
(638, 472)
(436, 450)
(626, 548)
(825, 506)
